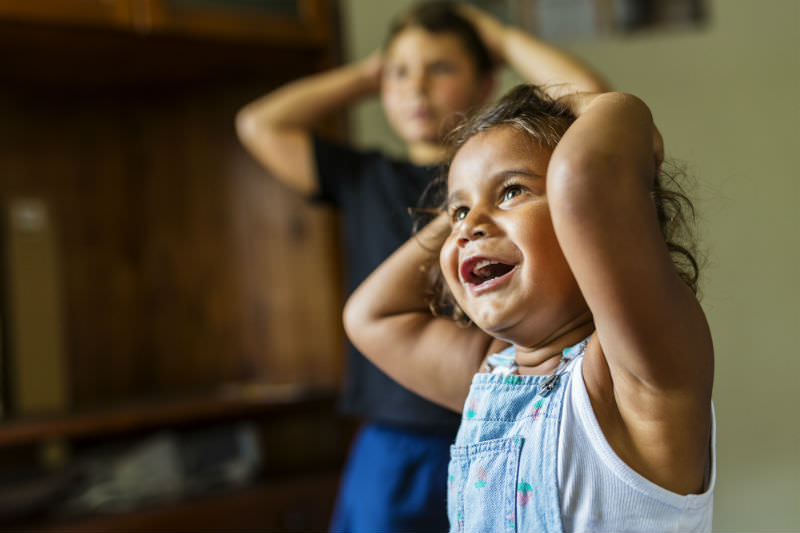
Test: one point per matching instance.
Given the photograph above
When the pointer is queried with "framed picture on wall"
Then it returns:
(558, 20)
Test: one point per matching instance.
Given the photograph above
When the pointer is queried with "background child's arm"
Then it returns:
(534, 60)
(651, 374)
(277, 127)
(388, 320)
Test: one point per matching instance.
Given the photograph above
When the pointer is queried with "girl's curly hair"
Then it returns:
(544, 119)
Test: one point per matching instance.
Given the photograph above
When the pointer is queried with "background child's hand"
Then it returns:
(491, 30)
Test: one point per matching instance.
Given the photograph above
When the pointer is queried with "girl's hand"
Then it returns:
(658, 148)
(491, 30)
(579, 102)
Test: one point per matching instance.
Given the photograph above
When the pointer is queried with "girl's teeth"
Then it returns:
(480, 265)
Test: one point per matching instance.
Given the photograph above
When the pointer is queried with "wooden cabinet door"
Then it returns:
(108, 13)
(285, 22)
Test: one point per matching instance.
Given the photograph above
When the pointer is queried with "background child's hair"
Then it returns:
(544, 120)
(442, 17)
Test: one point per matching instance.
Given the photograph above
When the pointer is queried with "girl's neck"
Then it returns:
(543, 357)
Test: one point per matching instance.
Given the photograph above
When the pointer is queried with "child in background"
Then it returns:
(438, 64)
(558, 239)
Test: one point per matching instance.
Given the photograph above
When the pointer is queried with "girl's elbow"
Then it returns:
(358, 318)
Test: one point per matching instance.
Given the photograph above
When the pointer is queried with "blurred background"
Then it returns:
(171, 346)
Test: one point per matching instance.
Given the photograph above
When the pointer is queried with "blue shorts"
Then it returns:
(394, 480)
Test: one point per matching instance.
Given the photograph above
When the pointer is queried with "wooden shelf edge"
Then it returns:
(230, 402)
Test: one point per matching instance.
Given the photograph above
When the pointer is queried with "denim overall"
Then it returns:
(503, 474)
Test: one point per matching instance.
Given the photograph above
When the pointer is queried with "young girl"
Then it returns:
(438, 64)
(589, 407)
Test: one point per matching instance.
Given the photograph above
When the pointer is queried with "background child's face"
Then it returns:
(428, 79)
(502, 260)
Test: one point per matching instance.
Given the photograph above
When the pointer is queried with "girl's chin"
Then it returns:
(493, 325)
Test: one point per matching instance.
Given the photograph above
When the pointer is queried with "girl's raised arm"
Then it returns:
(650, 375)
(388, 320)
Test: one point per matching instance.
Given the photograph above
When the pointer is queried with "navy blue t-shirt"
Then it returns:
(373, 194)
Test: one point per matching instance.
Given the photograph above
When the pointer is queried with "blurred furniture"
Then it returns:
(302, 445)
(183, 269)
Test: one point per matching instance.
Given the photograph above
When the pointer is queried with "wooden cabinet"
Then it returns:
(184, 268)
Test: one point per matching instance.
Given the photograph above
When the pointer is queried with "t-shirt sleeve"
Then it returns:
(338, 170)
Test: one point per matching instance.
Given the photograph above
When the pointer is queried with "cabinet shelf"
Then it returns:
(232, 402)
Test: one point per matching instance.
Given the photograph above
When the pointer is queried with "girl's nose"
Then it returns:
(474, 227)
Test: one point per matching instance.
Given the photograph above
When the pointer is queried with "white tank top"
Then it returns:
(599, 492)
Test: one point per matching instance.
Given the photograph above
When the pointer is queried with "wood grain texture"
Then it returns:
(184, 264)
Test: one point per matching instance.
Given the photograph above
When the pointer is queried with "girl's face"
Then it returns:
(428, 79)
(502, 260)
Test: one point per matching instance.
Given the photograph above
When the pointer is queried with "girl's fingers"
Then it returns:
(658, 148)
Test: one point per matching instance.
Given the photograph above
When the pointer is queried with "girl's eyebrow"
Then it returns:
(452, 198)
(504, 174)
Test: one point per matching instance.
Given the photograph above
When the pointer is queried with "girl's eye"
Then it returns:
(511, 191)
(459, 213)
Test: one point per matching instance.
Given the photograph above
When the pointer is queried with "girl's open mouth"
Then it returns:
(482, 273)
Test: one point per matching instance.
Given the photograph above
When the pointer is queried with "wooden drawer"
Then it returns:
(105, 13)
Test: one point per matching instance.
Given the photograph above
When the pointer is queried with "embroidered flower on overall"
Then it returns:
(524, 490)
(472, 407)
(511, 523)
(537, 408)
(481, 477)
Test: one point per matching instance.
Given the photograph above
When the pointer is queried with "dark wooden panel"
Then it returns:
(93, 59)
(184, 264)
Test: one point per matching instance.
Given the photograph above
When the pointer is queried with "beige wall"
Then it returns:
(725, 99)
